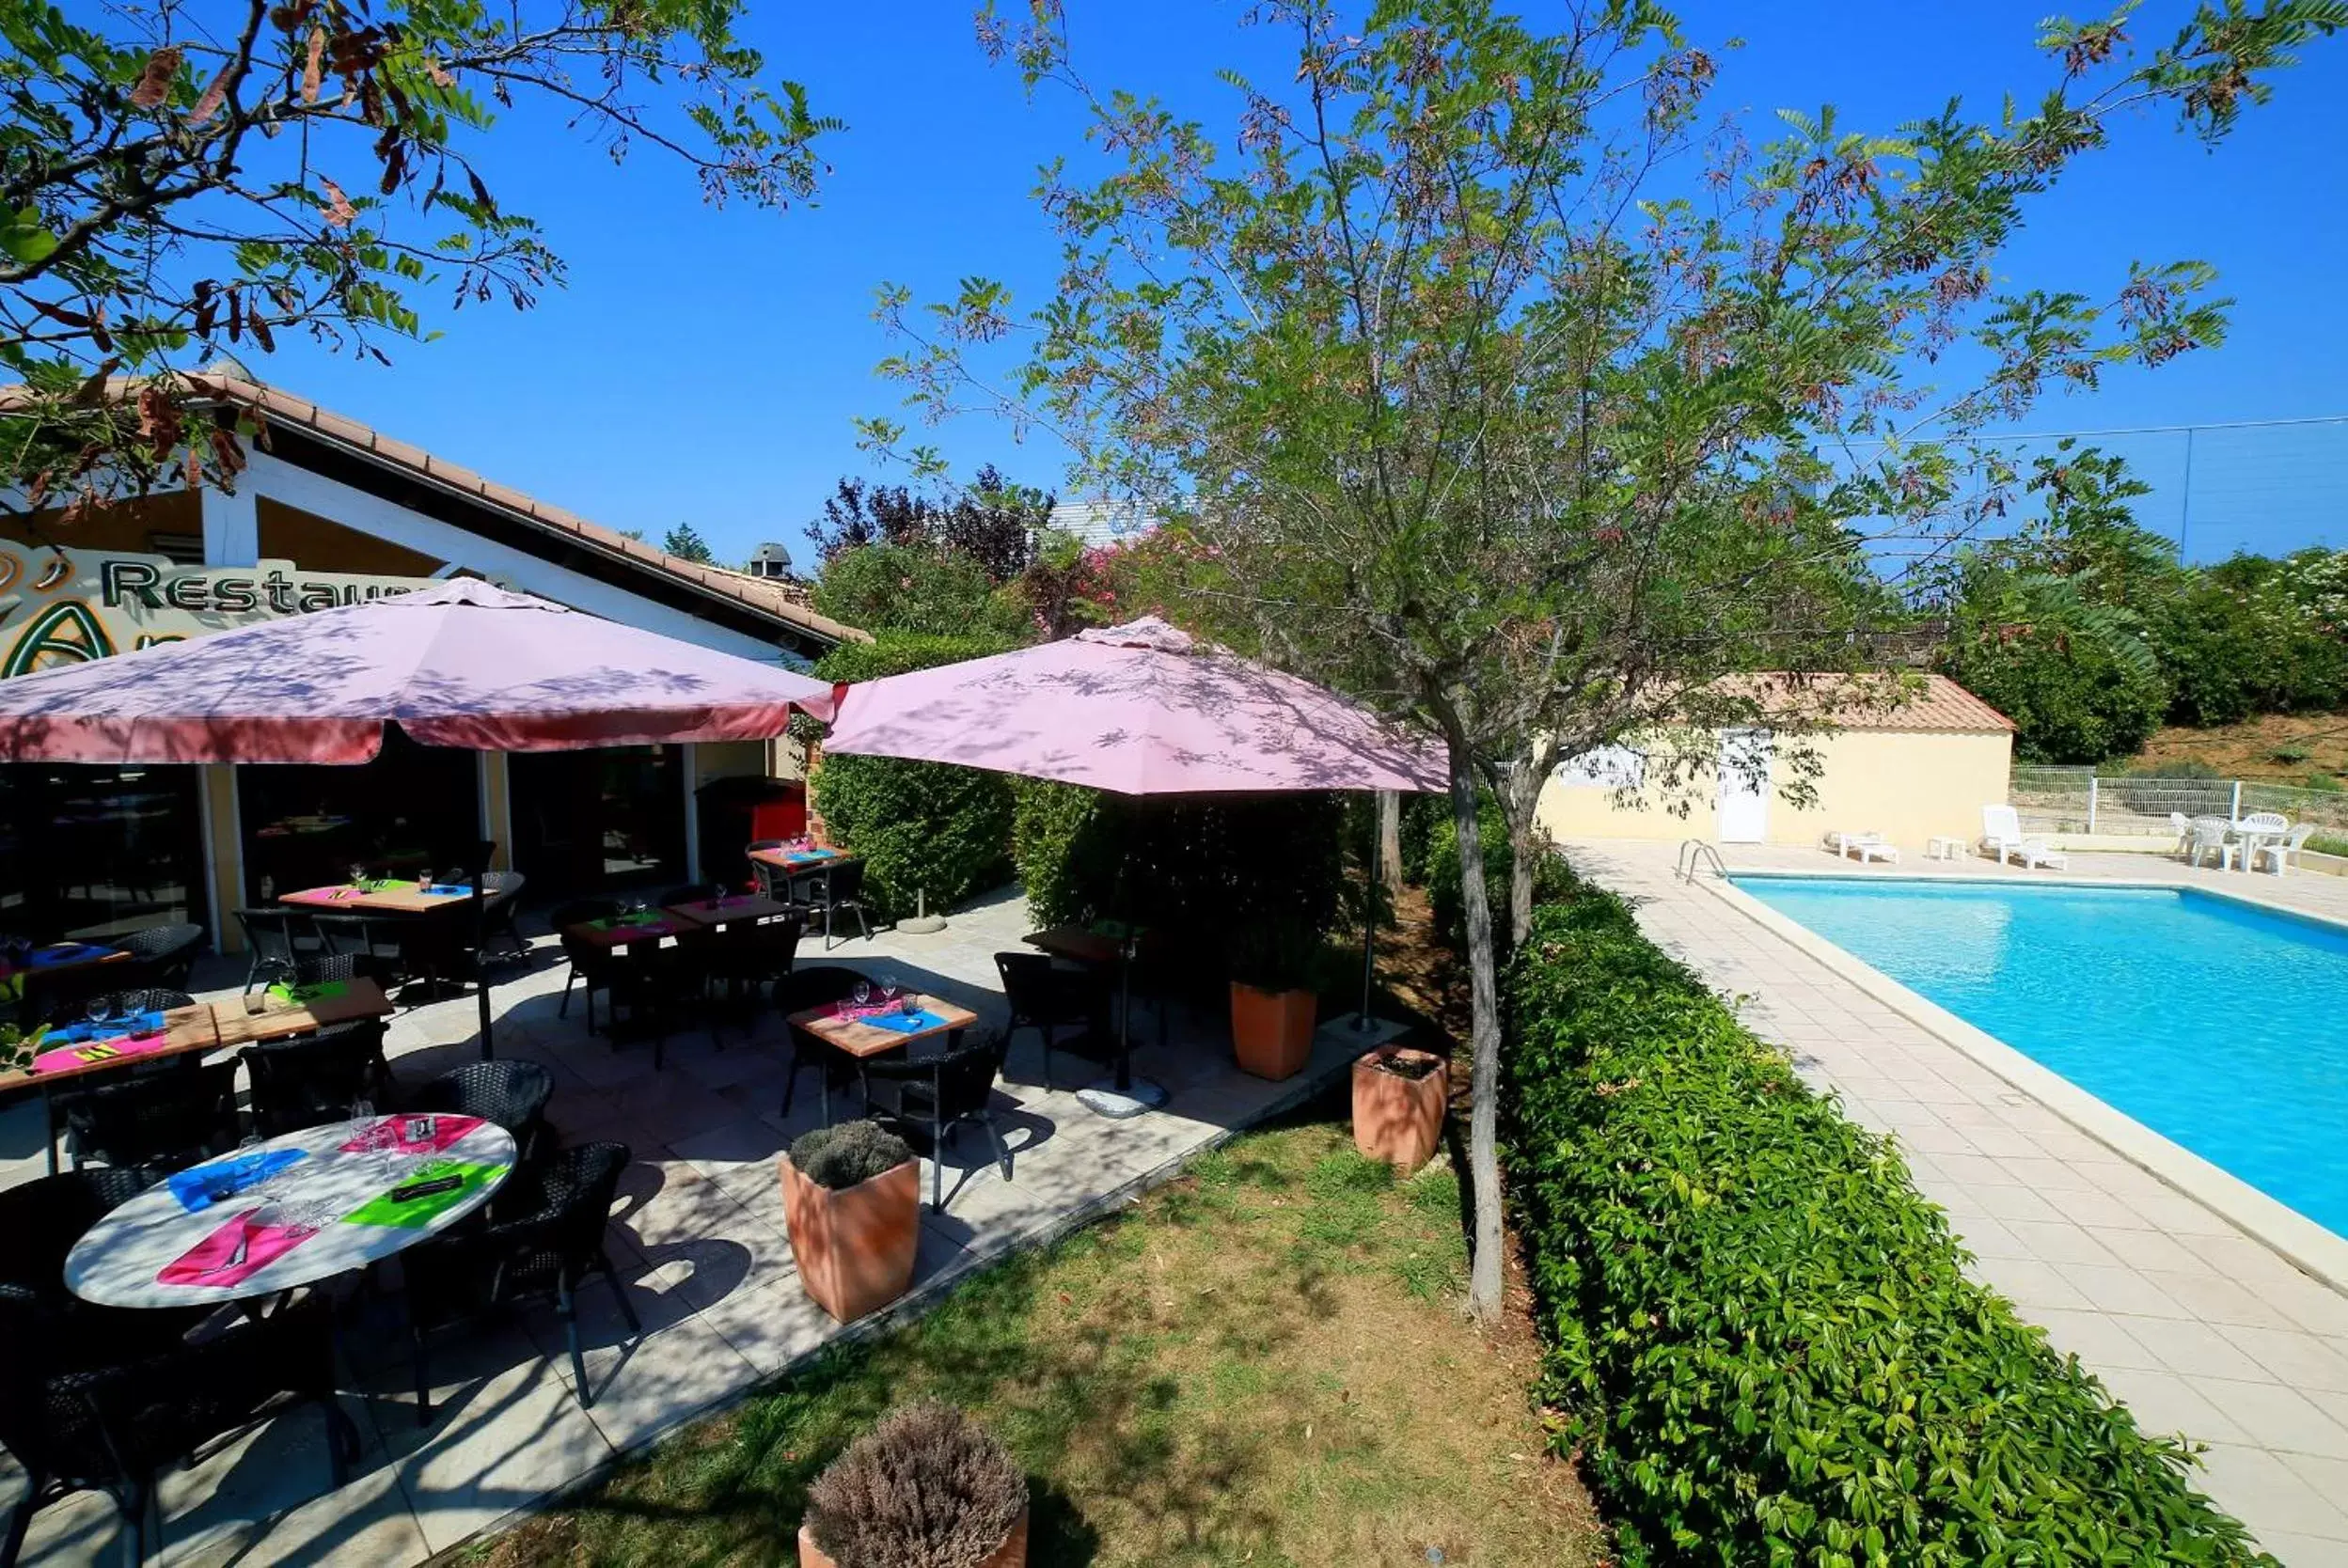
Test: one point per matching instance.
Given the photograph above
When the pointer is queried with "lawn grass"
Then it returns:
(1263, 1362)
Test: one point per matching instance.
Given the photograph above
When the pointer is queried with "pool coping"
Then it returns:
(2310, 1248)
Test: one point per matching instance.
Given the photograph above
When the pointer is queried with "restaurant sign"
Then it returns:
(69, 606)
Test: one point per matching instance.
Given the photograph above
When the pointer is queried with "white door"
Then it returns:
(1742, 804)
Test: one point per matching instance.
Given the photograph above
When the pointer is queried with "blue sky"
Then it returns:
(704, 365)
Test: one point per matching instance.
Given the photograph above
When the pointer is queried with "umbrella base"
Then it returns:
(922, 925)
(1116, 1104)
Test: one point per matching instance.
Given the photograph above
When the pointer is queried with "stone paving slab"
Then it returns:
(2198, 1327)
(697, 1235)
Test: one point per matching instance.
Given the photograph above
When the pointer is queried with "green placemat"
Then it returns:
(302, 995)
(420, 1211)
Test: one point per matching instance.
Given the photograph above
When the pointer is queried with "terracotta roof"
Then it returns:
(770, 599)
(1905, 701)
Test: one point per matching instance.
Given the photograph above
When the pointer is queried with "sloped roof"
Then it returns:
(766, 597)
(1908, 701)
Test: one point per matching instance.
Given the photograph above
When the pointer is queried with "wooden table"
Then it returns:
(387, 897)
(737, 906)
(184, 1030)
(359, 997)
(327, 1210)
(798, 861)
(860, 1039)
(624, 933)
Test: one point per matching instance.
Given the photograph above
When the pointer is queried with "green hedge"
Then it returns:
(1199, 869)
(1443, 895)
(1760, 1330)
(926, 827)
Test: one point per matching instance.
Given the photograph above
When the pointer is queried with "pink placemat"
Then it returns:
(99, 1050)
(393, 1131)
(321, 895)
(852, 1011)
(232, 1254)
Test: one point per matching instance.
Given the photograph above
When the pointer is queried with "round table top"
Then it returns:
(291, 1211)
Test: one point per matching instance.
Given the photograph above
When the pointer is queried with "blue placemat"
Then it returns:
(199, 1189)
(67, 952)
(109, 1029)
(907, 1023)
(449, 890)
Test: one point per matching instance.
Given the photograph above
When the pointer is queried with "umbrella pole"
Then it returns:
(1369, 923)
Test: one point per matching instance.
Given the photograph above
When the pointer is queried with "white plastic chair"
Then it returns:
(2001, 831)
(2212, 836)
(2182, 826)
(2282, 854)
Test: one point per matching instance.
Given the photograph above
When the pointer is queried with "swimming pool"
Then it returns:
(2221, 1027)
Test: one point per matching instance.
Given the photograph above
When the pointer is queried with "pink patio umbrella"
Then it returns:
(461, 663)
(1142, 708)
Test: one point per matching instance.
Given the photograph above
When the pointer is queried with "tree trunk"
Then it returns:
(1483, 1084)
(1521, 860)
(1390, 840)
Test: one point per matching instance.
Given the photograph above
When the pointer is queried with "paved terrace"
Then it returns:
(697, 1236)
(2198, 1327)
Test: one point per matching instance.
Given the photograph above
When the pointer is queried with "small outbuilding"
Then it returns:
(1912, 769)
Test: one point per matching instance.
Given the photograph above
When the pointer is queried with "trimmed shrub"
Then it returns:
(903, 588)
(1550, 876)
(2071, 695)
(1194, 868)
(848, 1153)
(921, 826)
(1761, 1333)
(927, 1488)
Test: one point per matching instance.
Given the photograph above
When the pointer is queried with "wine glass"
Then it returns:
(888, 987)
(423, 879)
(96, 1011)
(358, 874)
(862, 993)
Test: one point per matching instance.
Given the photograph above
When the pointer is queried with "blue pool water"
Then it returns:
(2220, 1026)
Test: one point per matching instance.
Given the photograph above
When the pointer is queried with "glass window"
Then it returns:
(96, 851)
(413, 807)
(589, 822)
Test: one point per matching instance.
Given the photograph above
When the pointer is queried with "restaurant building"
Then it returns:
(332, 513)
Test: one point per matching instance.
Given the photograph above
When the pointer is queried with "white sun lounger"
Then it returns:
(1865, 846)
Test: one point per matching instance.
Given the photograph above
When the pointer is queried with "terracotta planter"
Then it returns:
(854, 1247)
(1395, 1119)
(1011, 1554)
(1272, 1031)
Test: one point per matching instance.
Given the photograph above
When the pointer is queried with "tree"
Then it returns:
(686, 543)
(1507, 392)
(179, 178)
(995, 523)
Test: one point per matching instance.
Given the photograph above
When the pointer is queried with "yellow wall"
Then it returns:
(1907, 785)
(322, 544)
(729, 760)
(227, 870)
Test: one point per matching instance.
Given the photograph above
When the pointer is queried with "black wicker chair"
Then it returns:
(276, 939)
(931, 1096)
(832, 890)
(325, 970)
(114, 1428)
(377, 945)
(1049, 998)
(513, 1094)
(773, 881)
(743, 956)
(506, 944)
(166, 955)
(165, 1120)
(544, 1237)
(316, 1079)
(39, 1222)
(588, 963)
(796, 992)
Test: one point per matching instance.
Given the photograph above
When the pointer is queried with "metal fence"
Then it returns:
(2080, 800)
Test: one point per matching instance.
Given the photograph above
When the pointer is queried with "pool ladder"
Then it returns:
(1693, 853)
